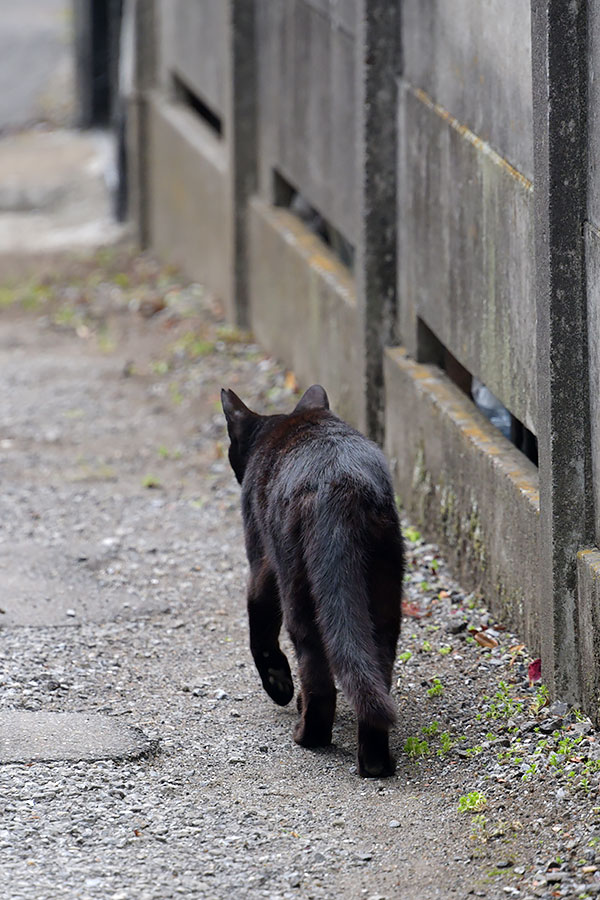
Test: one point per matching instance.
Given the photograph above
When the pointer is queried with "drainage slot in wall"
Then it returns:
(184, 94)
(287, 196)
(431, 350)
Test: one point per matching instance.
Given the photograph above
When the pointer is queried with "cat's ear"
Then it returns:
(236, 412)
(314, 398)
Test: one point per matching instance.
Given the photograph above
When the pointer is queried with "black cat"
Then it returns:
(325, 553)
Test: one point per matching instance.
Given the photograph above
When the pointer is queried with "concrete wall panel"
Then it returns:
(189, 196)
(303, 306)
(467, 487)
(193, 46)
(466, 261)
(473, 57)
(307, 114)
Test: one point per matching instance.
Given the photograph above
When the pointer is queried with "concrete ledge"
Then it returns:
(467, 487)
(588, 604)
(303, 305)
(189, 207)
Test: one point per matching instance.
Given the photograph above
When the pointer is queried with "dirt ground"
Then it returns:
(123, 577)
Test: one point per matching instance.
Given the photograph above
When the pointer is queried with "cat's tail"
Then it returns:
(340, 586)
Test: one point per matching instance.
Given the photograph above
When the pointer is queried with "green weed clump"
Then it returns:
(437, 689)
(415, 747)
(474, 801)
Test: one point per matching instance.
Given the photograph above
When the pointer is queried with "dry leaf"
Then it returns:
(414, 611)
(514, 651)
(290, 382)
(485, 640)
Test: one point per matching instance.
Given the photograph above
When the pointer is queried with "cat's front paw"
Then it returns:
(312, 735)
(279, 685)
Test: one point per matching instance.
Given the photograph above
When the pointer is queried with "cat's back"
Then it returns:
(315, 452)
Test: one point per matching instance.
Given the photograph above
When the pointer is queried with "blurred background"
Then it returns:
(59, 172)
(36, 64)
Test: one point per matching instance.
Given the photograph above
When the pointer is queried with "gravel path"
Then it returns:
(123, 577)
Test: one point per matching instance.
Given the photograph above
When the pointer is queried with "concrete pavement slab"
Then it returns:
(50, 736)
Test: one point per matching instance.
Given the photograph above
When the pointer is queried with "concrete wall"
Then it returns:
(306, 108)
(303, 304)
(466, 255)
(465, 195)
(454, 469)
(197, 50)
(422, 135)
(189, 213)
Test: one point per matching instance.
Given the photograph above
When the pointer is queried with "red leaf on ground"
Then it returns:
(535, 671)
(414, 611)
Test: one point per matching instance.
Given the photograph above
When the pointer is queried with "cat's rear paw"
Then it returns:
(374, 758)
(376, 768)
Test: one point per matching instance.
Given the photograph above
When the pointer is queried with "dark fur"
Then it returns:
(325, 553)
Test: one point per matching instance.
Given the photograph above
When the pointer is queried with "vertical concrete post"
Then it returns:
(559, 128)
(137, 79)
(241, 137)
(378, 66)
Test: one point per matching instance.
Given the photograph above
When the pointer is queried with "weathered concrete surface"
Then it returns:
(559, 40)
(50, 736)
(306, 86)
(466, 262)
(242, 141)
(467, 487)
(474, 59)
(194, 46)
(53, 191)
(303, 304)
(588, 608)
(593, 113)
(592, 246)
(377, 63)
(189, 189)
(592, 261)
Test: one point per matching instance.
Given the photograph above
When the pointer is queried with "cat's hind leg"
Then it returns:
(316, 701)
(264, 618)
(374, 758)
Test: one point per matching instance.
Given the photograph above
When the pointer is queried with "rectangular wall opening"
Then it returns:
(431, 350)
(289, 197)
(184, 94)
